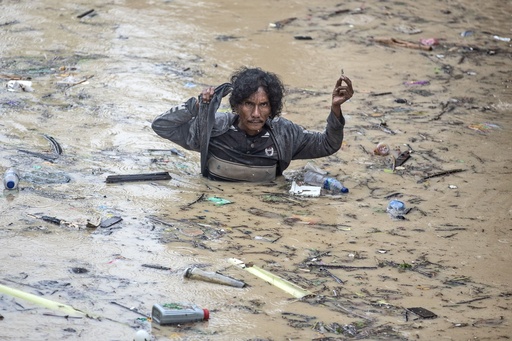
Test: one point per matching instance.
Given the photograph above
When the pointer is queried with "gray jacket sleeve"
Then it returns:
(317, 144)
(179, 125)
(297, 142)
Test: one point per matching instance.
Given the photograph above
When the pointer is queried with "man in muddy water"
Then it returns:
(253, 143)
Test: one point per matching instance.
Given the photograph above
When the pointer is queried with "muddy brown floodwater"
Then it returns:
(98, 81)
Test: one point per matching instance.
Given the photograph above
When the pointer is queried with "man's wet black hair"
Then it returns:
(246, 81)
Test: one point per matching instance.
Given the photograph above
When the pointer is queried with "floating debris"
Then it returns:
(382, 149)
(281, 23)
(80, 16)
(19, 85)
(57, 149)
(279, 282)
(110, 221)
(420, 312)
(483, 127)
(219, 201)
(138, 177)
(305, 191)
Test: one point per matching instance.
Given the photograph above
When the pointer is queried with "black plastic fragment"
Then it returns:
(79, 270)
(303, 37)
(110, 221)
(139, 177)
(422, 312)
(404, 156)
(52, 220)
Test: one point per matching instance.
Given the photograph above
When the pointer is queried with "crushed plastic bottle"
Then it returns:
(11, 179)
(326, 182)
(213, 277)
(312, 166)
(396, 209)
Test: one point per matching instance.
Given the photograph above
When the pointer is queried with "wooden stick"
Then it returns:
(340, 266)
(441, 174)
(85, 13)
(394, 42)
(474, 300)
(79, 82)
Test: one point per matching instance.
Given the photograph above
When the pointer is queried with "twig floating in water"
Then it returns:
(440, 174)
(340, 266)
(65, 316)
(474, 300)
(160, 221)
(201, 197)
(158, 267)
(392, 195)
(449, 229)
(337, 279)
(381, 94)
(282, 23)
(337, 12)
(131, 309)
(49, 158)
(446, 109)
(85, 13)
(79, 82)
(394, 42)
(364, 149)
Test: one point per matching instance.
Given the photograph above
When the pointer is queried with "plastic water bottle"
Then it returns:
(396, 209)
(326, 182)
(11, 179)
(176, 313)
(213, 277)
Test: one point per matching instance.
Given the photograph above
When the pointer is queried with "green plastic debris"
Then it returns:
(219, 201)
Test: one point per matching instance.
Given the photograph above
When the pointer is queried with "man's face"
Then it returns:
(253, 112)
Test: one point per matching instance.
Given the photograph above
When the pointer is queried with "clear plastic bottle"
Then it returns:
(11, 179)
(326, 182)
(396, 209)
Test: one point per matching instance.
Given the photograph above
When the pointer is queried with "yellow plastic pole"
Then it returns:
(275, 280)
(41, 301)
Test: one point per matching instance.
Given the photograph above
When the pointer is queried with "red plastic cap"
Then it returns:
(206, 314)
